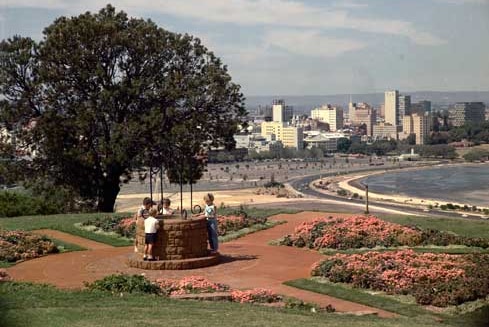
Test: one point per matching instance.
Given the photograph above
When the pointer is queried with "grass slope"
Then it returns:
(38, 305)
(478, 318)
(459, 226)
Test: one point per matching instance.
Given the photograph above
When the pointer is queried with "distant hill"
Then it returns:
(304, 104)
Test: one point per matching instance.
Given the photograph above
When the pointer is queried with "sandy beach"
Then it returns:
(351, 183)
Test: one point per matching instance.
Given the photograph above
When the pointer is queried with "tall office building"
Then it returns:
(418, 124)
(331, 115)
(364, 114)
(404, 105)
(281, 112)
(391, 107)
(467, 112)
(290, 136)
(421, 107)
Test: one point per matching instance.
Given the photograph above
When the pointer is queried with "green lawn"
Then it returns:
(256, 212)
(248, 230)
(478, 318)
(64, 223)
(37, 305)
(459, 226)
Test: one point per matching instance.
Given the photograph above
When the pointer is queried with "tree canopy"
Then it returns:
(102, 95)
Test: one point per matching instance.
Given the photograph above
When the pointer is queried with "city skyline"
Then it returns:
(312, 47)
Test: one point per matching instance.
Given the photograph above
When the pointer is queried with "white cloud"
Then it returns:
(278, 13)
(311, 43)
(349, 5)
(463, 2)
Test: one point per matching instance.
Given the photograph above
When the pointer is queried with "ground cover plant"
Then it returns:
(21, 245)
(436, 279)
(123, 283)
(368, 232)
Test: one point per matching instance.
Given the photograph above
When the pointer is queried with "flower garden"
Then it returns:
(432, 279)
(175, 287)
(436, 279)
(126, 226)
(368, 232)
(20, 245)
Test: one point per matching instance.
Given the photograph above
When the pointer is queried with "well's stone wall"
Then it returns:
(177, 238)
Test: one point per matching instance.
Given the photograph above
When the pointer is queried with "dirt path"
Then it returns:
(68, 238)
(247, 262)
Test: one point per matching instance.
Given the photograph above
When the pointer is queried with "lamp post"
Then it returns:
(366, 199)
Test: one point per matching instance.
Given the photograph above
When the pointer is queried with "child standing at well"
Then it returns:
(143, 212)
(210, 213)
(151, 226)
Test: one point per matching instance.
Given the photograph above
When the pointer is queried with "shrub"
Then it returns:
(436, 279)
(20, 245)
(342, 192)
(189, 285)
(122, 225)
(368, 231)
(4, 275)
(256, 295)
(123, 283)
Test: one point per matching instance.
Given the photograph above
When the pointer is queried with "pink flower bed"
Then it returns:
(20, 245)
(189, 285)
(199, 284)
(256, 295)
(351, 232)
(438, 279)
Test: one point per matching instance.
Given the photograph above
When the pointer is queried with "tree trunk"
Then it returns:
(108, 194)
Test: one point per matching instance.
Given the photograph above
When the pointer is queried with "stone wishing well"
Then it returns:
(181, 244)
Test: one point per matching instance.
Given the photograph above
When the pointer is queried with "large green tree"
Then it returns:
(103, 95)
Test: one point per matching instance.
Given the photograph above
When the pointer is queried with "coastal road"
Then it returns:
(339, 203)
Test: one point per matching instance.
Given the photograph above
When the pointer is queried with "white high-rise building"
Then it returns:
(281, 112)
(290, 136)
(391, 108)
(331, 115)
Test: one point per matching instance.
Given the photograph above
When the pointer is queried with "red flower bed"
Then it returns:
(352, 232)
(189, 285)
(437, 279)
(20, 245)
(199, 284)
(369, 231)
(256, 295)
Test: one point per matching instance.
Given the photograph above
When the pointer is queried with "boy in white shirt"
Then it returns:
(143, 213)
(151, 226)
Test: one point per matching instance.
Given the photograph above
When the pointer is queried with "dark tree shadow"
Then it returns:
(231, 258)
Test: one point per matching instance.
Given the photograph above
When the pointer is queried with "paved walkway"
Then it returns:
(247, 262)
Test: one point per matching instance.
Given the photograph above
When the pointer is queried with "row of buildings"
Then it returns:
(398, 118)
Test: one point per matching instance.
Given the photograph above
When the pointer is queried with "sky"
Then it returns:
(311, 47)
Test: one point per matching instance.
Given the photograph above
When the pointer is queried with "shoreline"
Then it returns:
(353, 185)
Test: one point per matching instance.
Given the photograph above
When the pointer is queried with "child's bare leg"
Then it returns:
(150, 251)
